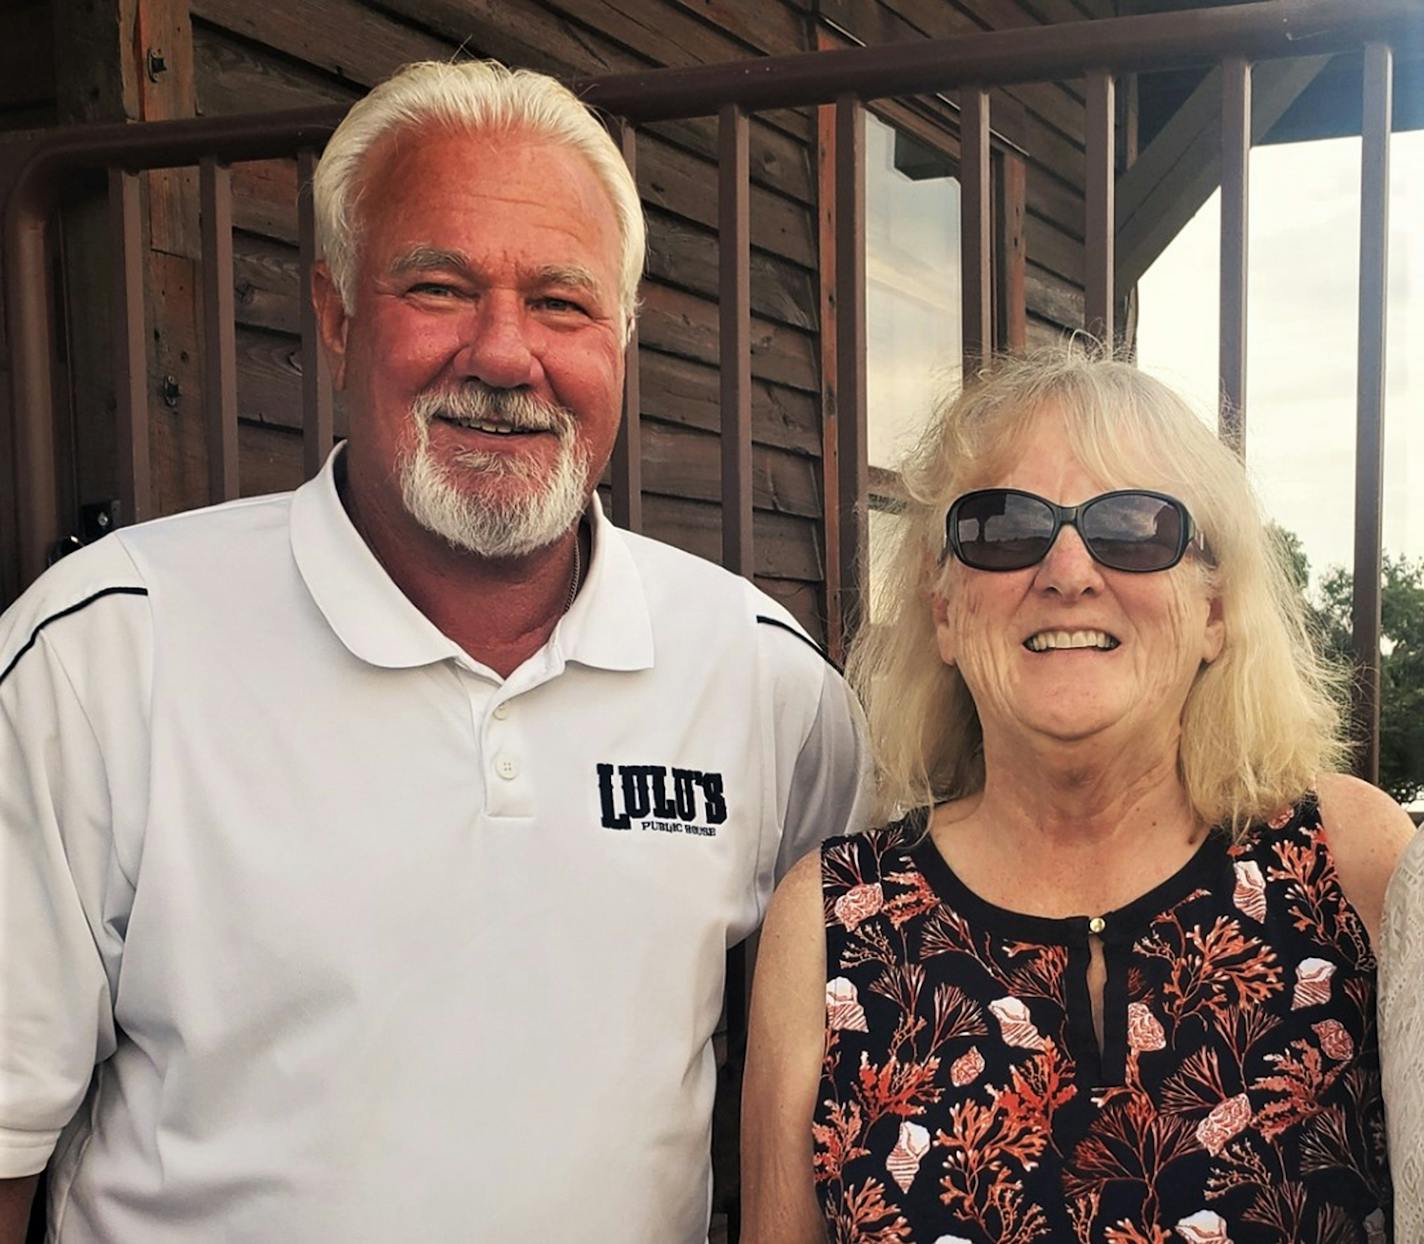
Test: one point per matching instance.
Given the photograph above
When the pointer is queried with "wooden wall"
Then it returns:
(227, 56)
(27, 95)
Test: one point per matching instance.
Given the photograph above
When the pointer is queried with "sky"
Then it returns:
(1302, 300)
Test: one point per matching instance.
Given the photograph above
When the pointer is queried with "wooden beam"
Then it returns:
(1181, 166)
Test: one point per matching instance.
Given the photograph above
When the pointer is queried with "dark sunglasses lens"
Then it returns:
(997, 530)
(1135, 531)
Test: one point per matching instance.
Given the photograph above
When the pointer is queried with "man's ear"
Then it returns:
(332, 322)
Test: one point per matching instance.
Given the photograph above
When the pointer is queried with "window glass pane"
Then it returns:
(885, 526)
(912, 286)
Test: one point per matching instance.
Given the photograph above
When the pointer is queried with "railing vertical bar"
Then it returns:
(975, 228)
(130, 347)
(1099, 190)
(28, 329)
(318, 421)
(627, 466)
(1369, 416)
(1011, 323)
(1235, 174)
(219, 329)
(853, 466)
(830, 431)
(735, 347)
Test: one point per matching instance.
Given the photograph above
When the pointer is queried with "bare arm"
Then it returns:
(785, 1043)
(15, 1198)
(1367, 832)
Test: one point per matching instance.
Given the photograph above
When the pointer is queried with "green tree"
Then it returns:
(1401, 664)
(1402, 654)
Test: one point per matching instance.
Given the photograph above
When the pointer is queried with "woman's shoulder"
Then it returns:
(1354, 831)
(872, 852)
(1366, 832)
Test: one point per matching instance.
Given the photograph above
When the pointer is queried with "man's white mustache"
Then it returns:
(481, 403)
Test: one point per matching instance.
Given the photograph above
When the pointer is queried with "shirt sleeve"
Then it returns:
(830, 784)
(1401, 1028)
(63, 896)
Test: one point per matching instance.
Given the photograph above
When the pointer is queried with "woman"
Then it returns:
(1109, 976)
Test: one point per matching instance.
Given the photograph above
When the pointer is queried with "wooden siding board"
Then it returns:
(343, 37)
(1053, 248)
(26, 61)
(1051, 297)
(672, 34)
(683, 390)
(676, 181)
(686, 462)
(786, 547)
(1042, 334)
(771, 28)
(680, 253)
(682, 323)
(234, 75)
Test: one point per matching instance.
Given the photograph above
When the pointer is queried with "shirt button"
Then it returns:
(501, 712)
(1097, 924)
(506, 768)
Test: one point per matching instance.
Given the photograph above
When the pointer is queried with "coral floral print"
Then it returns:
(1235, 1100)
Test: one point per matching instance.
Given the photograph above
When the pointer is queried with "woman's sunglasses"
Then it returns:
(1006, 529)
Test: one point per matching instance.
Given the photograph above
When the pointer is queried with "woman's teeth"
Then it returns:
(1044, 641)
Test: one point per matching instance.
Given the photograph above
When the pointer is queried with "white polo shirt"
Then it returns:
(347, 939)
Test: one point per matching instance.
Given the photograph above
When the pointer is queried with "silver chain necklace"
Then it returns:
(574, 578)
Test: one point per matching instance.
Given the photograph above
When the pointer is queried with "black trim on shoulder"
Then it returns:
(804, 638)
(64, 613)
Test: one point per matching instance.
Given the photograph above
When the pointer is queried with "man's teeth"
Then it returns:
(499, 429)
(1046, 640)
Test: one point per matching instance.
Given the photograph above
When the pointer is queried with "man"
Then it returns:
(1401, 1018)
(370, 853)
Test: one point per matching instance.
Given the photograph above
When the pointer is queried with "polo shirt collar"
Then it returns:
(608, 626)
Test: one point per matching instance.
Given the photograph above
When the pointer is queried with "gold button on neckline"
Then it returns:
(1097, 924)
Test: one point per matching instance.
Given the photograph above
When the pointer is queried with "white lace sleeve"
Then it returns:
(1401, 1019)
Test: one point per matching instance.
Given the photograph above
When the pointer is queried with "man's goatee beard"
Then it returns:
(493, 526)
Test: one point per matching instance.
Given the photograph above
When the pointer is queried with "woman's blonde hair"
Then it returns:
(1260, 722)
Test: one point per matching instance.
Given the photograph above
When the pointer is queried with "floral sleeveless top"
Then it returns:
(1235, 1099)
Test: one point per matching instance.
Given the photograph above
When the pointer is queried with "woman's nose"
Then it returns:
(1068, 569)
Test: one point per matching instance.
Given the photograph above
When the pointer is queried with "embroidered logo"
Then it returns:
(662, 799)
